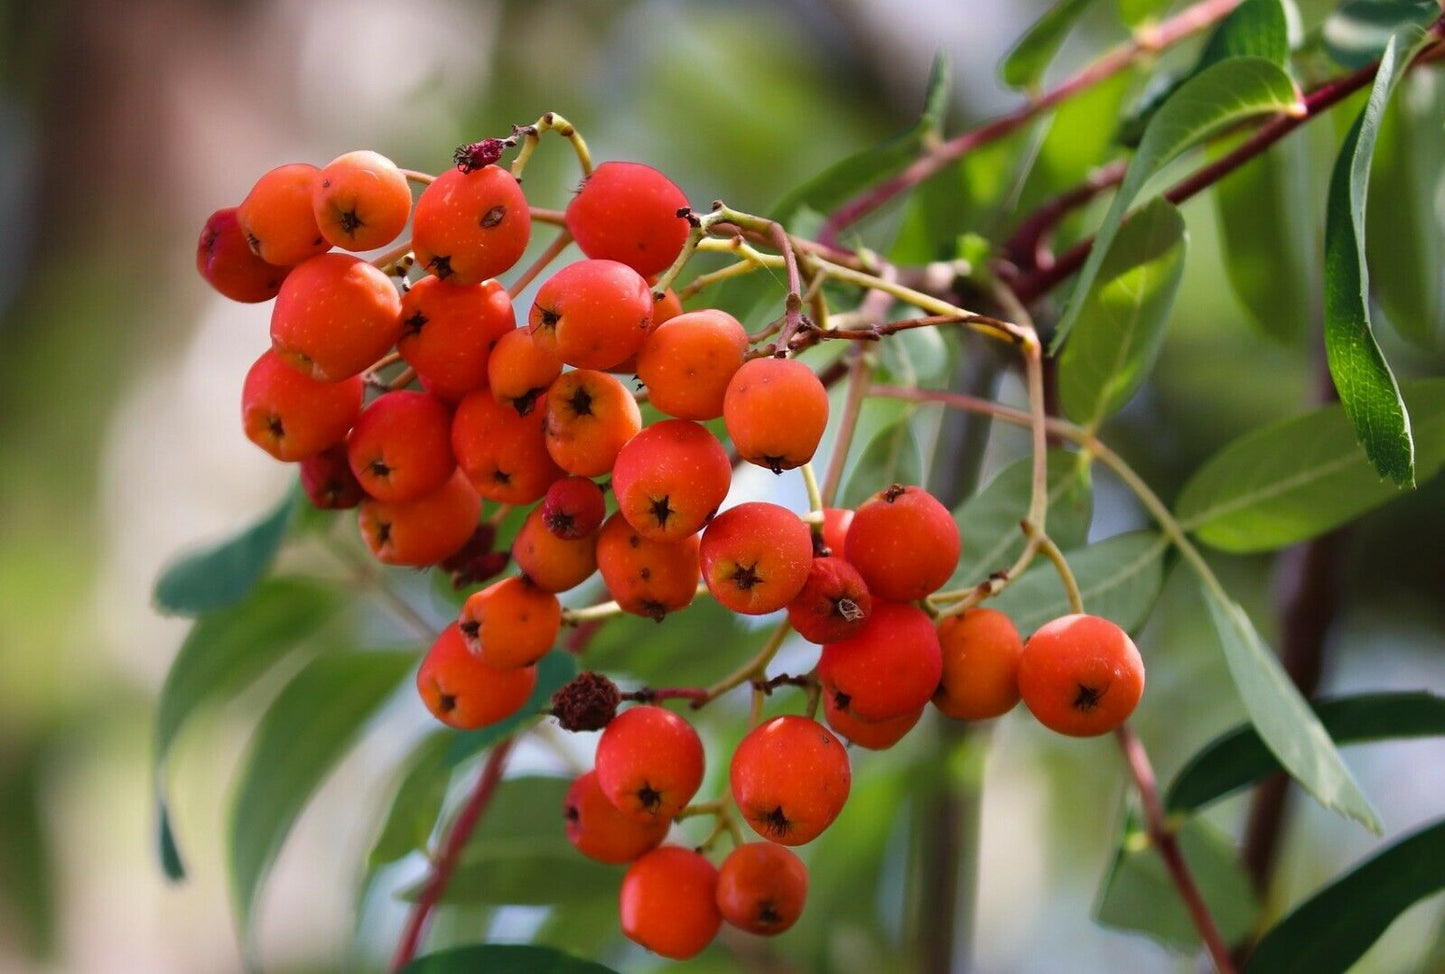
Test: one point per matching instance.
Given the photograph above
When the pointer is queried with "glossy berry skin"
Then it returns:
(277, 219)
(1081, 675)
(647, 578)
(627, 212)
(292, 416)
(592, 314)
(401, 446)
(670, 478)
(981, 652)
(511, 623)
(875, 735)
(589, 416)
(573, 508)
(790, 779)
(688, 361)
(552, 563)
(463, 692)
(328, 481)
(664, 308)
(668, 902)
(761, 888)
(469, 227)
(449, 331)
(833, 604)
(904, 543)
(836, 522)
(756, 557)
(890, 668)
(504, 455)
(424, 531)
(775, 410)
(361, 201)
(335, 316)
(225, 260)
(519, 371)
(599, 831)
(649, 763)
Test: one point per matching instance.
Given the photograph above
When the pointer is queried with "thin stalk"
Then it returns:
(546, 257)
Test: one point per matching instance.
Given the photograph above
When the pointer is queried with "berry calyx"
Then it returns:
(790, 779)
(670, 478)
(756, 557)
(599, 831)
(462, 691)
(649, 763)
(761, 888)
(510, 623)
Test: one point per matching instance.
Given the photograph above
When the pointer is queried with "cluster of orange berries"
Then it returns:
(532, 415)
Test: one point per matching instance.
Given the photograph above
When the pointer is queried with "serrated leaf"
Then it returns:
(503, 959)
(1119, 579)
(1123, 317)
(553, 670)
(1239, 757)
(1025, 64)
(1139, 894)
(416, 803)
(1333, 929)
(1366, 385)
(1205, 105)
(892, 456)
(223, 574)
(1300, 477)
(1359, 30)
(308, 728)
(1285, 722)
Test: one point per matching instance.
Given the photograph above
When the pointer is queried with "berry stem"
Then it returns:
(815, 496)
(546, 257)
(556, 218)
(388, 261)
(755, 668)
(531, 136)
(1066, 574)
(415, 176)
(858, 370)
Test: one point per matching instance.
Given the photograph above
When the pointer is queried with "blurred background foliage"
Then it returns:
(122, 125)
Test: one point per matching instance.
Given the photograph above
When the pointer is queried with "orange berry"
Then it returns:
(1081, 675)
(277, 219)
(448, 333)
(889, 668)
(401, 447)
(553, 564)
(573, 508)
(646, 577)
(470, 226)
(687, 363)
(599, 831)
(670, 478)
(589, 416)
(226, 262)
(836, 522)
(756, 557)
(833, 604)
(504, 455)
(668, 902)
(292, 416)
(663, 309)
(904, 543)
(981, 650)
(462, 691)
(511, 623)
(775, 410)
(361, 201)
(761, 888)
(626, 211)
(649, 763)
(520, 371)
(328, 481)
(790, 779)
(424, 531)
(593, 314)
(335, 316)
(875, 735)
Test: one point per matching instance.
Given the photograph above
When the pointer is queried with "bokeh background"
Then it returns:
(124, 124)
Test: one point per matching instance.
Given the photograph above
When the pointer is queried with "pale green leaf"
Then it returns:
(1119, 579)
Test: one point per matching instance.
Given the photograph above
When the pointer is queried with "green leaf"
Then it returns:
(1300, 477)
(1025, 65)
(891, 457)
(1122, 318)
(1333, 929)
(1205, 105)
(1284, 721)
(503, 959)
(225, 573)
(1366, 385)
(308, 728)
(1138, 893)
(224, 653)
(553, 670)
(1239, 757)
(695, 646)
(416, 803)
(988, 522)
(1136, 12)
(1119, 579)
(1256, 28)
(1359, 30)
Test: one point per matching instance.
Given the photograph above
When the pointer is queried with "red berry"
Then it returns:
(626, 211)
(761, 888)
(833, 604)
(448, 333)
(599, 831)
(292, 416)
(670, 478)
(573, 508)
(649, 763)
(593, 314)
(756, 557)
(462, 691)
(668, 902)
(227, 263)
(904, 543)
(335, 316)
(790, 778)
(471, 226)
(328, 481)
(401, 447)
(889, 668)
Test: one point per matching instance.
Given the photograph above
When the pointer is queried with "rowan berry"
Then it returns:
(903, 542)
(504, 455)
(361, 201)
(646, 577)
(520, 371)
(836, 522)
(424, 531)
(511, 623)
(328, 481)
(599, 831)
(790, 779)
(553, 564)
(761, 888)
(592, 314)
(471, 226)
(981, 650)
(687, 362)
(449, 331)
(335, 316)
(226, 262)
(890, 667)
(401, 446)
(756, 557)
(1081, 675)
(628, 212)
(670, 478)
(875, 735)
(649, 763)
(668, 902)
(292, 416)
(464, 692)
(775, 410)
(588, 417)
(833, 603)
(277, 219)
(573, 508)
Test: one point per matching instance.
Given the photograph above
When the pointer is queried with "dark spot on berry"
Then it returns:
(661, 510)
(549, 318)
(774, 463)
(774, 823)
(208, 242)
(413, 325)
(1088, 698)
(527, 401)
(649, 798)
(440, 266)
(571, 813)
(350, 222)
(841, 700)
(378, 468)
(275, 427)
(446, 703)
(653, 609)
(745, 577)
(325, 184)
(644, 573)
(893, 493)
(253, 243)
(768, 914)
(470, 628)
(493, 217)
(581, 402)
(559, 522)
(634, 541)
(383, 533)
(501, 476)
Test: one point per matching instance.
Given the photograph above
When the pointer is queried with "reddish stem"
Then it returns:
(446, 862)
(698, 695)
